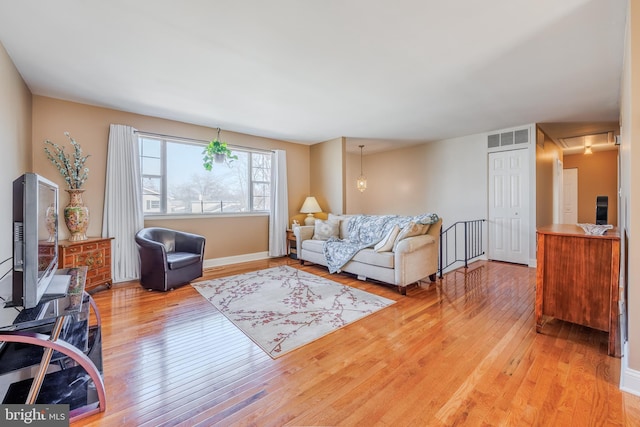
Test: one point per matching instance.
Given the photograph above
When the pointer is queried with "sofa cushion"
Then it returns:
(371, 257)
(313, 245)
(177, 260)
(344, 223)
(365, 256)
(325, 229)
(410, 230)
(386, 244)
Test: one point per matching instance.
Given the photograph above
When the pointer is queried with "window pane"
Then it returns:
(260, 189)
(261, 203)
(150, 147)
(184, 163)
(150, 185)
(261, 195)
(151, 166)
(261, 170)
(261, 174)
(151, 195)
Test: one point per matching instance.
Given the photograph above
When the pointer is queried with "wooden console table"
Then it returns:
(94, 253)
(577, 279)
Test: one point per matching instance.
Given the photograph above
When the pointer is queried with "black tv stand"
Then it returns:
(56, 341)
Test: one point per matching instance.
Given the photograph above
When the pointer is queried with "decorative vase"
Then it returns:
(76, 216)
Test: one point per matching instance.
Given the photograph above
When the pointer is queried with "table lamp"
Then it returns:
(310, 206)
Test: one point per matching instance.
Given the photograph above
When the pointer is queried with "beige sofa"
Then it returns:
(411, 259)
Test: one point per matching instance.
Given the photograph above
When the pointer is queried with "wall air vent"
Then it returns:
(521, 136)
(494, 141)
(505, 139)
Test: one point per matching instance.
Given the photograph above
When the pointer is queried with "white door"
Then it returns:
(570, 196)
(558, 191)
(509, 206)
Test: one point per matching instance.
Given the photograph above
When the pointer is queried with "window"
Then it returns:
(174, 182)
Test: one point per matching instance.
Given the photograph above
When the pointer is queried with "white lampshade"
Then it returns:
(310, 206)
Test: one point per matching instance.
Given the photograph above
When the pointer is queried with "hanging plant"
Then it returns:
(217, 151)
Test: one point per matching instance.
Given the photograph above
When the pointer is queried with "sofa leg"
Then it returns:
(402, 290)
(432, 277)
(301, 262)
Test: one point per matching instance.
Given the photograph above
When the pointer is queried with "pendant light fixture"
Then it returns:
(361, 183)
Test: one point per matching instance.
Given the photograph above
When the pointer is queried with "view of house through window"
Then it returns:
(174, 182)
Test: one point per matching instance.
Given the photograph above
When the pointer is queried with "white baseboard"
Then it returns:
(629, 378)
(217, 262)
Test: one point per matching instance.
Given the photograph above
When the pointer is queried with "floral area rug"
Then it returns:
(283, 308)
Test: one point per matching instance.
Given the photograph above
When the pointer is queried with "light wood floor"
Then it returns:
(463, 351)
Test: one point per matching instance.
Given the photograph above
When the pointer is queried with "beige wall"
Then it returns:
(15, 134)
(597, 176)
(89, 125)
(630, 186)
(327, 175)
(396, 182)
(547, 154)
(447, 177)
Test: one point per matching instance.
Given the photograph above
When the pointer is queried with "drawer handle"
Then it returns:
(93, 260)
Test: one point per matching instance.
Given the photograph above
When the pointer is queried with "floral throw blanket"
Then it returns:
(365, 231)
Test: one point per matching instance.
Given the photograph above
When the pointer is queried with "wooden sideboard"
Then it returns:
(95, 253)
(577, 279)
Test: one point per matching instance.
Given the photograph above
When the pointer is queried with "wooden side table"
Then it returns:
(577, 279)
(95, 253)
(291, 245)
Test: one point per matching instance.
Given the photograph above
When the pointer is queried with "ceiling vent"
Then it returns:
(506, 139)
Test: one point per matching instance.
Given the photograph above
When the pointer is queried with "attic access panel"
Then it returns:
(603, 138)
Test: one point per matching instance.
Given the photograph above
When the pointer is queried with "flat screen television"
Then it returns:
(35, 238)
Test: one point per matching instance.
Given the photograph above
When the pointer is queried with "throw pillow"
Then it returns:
(325, 229)
(344, 224)
(410, 230)
(386, 244)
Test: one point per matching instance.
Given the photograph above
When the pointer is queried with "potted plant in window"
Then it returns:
(217, 151)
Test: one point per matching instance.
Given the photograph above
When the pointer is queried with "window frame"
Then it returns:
(164, 139)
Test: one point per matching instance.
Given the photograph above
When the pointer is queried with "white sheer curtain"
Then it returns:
(279, 216)
(123, 215)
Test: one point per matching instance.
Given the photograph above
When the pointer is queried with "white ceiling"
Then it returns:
(379, 71)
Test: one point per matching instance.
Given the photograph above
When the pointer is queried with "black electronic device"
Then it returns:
(35, 238)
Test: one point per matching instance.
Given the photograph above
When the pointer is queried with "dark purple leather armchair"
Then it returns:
(169, 258)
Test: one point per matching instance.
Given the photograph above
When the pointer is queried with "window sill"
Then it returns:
(201, 216)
